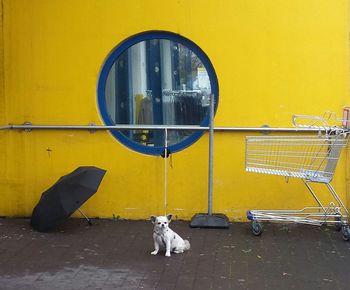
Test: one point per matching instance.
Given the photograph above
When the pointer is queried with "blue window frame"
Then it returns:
(156, 78)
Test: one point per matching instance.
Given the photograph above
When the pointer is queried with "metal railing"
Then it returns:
(92, 128)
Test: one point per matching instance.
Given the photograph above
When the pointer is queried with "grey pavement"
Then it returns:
(115, 254)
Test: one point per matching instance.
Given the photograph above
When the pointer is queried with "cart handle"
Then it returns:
(328, 120)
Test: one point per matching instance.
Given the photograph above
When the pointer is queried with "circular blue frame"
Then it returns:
(114, 55)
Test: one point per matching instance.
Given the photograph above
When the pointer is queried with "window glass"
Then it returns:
(157, 81)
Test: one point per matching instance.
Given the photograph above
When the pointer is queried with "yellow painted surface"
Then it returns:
(3, 141)
(273, 58)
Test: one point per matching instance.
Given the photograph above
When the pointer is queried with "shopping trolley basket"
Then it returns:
(313, 159)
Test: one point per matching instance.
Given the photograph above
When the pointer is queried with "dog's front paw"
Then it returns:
(167, 255)
(154, 253)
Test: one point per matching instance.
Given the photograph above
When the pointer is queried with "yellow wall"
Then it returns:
(273, 58)
(3, 140)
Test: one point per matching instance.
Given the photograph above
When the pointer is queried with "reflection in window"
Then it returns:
(157, 82)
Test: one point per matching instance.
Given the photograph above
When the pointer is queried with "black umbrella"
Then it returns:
(65, 197)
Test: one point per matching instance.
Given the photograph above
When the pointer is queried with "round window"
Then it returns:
(156, 78)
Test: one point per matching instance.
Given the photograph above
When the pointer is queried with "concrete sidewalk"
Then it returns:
(116, 255)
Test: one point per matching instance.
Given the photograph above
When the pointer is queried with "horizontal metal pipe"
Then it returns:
(268, 129)
(29, 127)
(4, 127)
(104, 127)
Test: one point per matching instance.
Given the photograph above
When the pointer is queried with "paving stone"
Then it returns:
(116, 255)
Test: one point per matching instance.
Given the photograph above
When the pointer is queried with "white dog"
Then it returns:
(166, 237)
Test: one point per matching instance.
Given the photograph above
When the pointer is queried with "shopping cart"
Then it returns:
(313, 159)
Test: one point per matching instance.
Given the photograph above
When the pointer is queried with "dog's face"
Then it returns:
(161, 222)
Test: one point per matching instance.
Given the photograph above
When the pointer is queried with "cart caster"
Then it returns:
(346, 233)
(338, 224)
(257, 228)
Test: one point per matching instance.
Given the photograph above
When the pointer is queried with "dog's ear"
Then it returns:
(153, 219)
(169, 216)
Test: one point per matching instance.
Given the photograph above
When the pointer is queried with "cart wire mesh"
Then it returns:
(312, 158)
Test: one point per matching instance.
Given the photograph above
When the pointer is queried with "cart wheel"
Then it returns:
(338, 224)
(257, 228)
(346, 233)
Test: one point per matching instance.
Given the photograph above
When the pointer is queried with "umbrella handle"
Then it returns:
(87, 219)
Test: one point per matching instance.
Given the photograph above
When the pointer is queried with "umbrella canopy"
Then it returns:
(62, 199)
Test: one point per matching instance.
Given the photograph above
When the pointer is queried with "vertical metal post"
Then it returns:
(165, 168)
(211, 153)
(210, 220)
